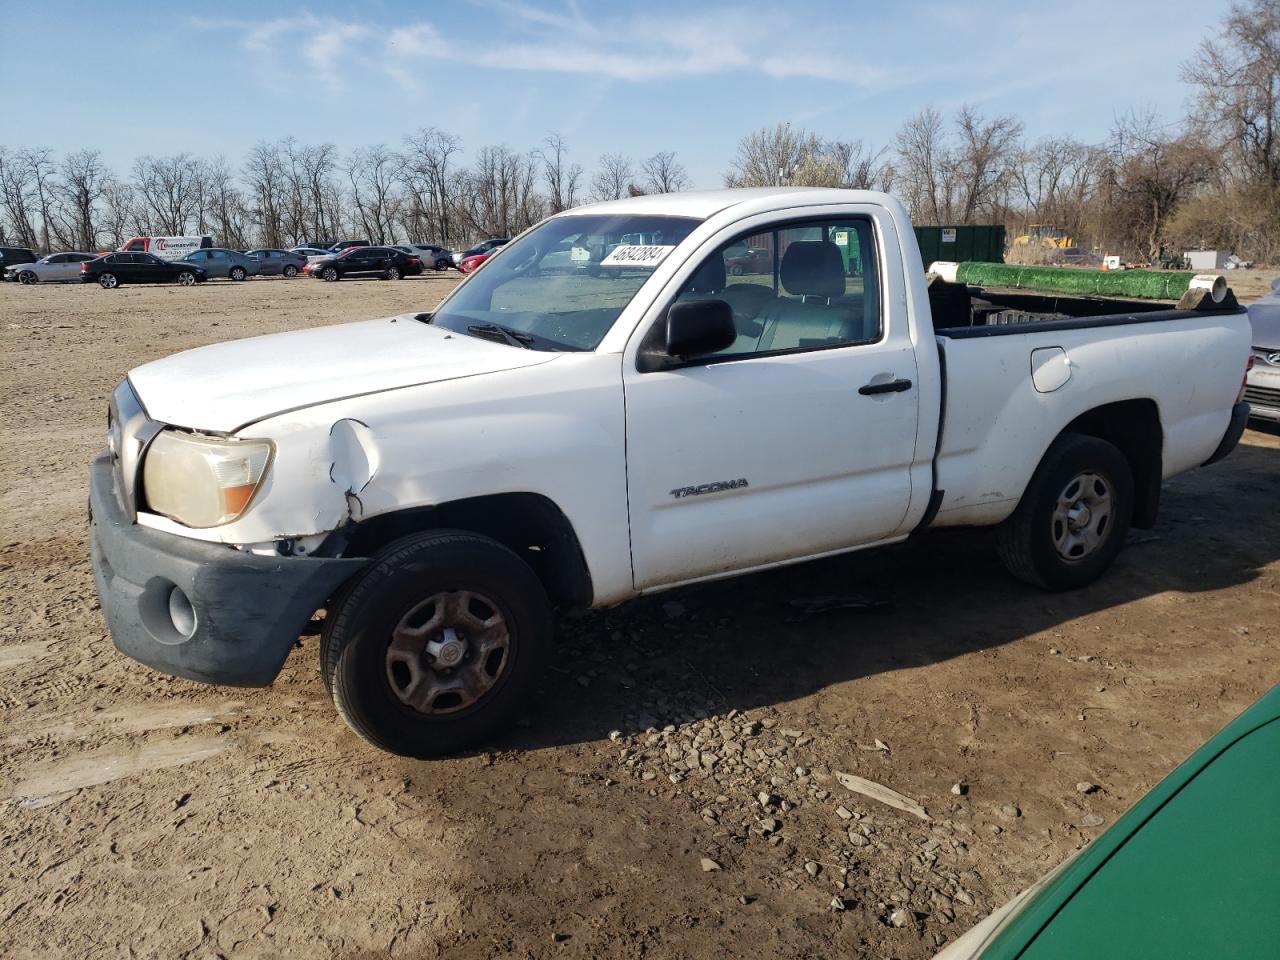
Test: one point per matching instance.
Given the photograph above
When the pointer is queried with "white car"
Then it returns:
(1262, 389)
(553, 436)
(55, 268)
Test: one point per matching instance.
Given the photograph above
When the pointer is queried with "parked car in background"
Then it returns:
(166, 248)
(55, 268)
(748, 260)
(1262, 386)
(484, 246)
(313, 253)
(1188, 871)
(113, 269)
(228, 264)
(11, 256)
(434, 255)
(472, 263)
(344, 244)
(273, 262)
(383, 262)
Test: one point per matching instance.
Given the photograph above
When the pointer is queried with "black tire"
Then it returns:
(1040, 545)
(237, 274)
(187, 279)
(736, 270)
(393, 273)
(443, 264)
(289, 271)
(329, 274)
(28, 276)
(356, 643)
(108, 281)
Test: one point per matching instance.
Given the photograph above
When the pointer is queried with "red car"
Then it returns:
(468, 264)
(748, 260)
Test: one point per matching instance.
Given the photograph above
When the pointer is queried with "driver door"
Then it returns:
(795, 441)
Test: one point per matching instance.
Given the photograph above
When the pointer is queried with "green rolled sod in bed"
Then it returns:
(1146, 284)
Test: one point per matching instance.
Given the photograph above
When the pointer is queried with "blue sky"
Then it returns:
(637, 77)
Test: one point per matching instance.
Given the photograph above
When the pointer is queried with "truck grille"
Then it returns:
(1262, 396)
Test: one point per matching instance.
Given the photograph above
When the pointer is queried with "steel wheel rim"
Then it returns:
(108, 280)
(331, 274)
(393, 274)
(186, 279)
(448, 652)
(26, 276)
(237, 274)
(290, 271)
(1082, 517)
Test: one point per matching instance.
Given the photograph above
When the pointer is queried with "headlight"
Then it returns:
(202, 481)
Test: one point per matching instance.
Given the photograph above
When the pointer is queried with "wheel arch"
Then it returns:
(1133, 427)
(529, 524)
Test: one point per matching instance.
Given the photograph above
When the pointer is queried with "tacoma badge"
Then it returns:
(715, 487)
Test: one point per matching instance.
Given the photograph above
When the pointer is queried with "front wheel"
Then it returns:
(330, 274)
(438, 645)
(238, 273)
(290, 271)
(186, 278)
(27, 276)
(1073, 517)
(108, 281)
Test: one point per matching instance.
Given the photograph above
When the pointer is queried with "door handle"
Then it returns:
(889, 386)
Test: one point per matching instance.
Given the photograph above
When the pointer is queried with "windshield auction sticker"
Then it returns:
(635, 255)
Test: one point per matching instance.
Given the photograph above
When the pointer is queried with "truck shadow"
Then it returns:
(743, 644)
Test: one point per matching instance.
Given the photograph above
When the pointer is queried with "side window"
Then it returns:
(137, 245)
(59, 258)
(217, 254)
(799, 286)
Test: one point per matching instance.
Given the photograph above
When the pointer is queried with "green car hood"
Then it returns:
(1191, 870)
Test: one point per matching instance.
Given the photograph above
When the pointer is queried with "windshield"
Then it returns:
(562, 285)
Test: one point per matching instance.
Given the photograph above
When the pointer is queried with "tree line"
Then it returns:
(1208, 179)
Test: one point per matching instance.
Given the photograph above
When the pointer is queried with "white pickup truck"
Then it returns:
(561, 433)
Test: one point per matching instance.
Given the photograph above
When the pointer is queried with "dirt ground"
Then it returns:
(145, 816)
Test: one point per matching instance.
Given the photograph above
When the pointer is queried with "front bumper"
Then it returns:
(1235, 428)
(249, 610)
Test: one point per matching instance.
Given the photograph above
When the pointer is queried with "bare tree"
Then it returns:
(224, 204)
(167, 192)
(373, 173)
(925, 167)
(17, 194)
(264, 172)
(1153, 173)
(561, 176)
(1237, 81)
(117, 220)
(613, 177)
(664, 174)
(983, 163)
(780, 155)
(431, 180)
(84, 181)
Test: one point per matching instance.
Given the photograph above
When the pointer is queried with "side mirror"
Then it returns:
(695, 327)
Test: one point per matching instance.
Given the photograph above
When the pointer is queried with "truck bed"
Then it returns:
(961, 311)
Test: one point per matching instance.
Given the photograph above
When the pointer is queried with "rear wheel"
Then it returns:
(108, 281)
(289, 271)
(186, 278)
(443, 264)
(238, 273)
(330, 274)
(437, 645)
(393, 273)
(1073, 517)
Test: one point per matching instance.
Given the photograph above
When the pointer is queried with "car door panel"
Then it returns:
(769, 457)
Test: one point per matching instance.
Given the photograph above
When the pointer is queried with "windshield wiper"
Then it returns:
(505, 334)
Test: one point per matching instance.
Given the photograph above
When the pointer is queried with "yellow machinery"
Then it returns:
(1044, 235)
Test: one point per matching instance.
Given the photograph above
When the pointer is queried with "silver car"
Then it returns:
(220, 262)
(1262, 386)
(273, 262)
(55, 268)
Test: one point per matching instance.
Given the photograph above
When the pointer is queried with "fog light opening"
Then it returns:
(181, 613)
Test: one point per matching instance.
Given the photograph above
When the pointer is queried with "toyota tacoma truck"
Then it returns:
(435, 484)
